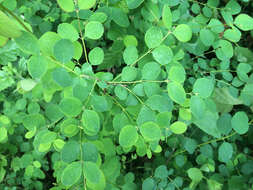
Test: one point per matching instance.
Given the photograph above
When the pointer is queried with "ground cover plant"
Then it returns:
(126, 94)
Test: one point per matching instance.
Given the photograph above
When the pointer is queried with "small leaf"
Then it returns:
(62, 77)
(177, 73)
(240, 122)
(163, 54)
(150, 131)
(167, 17)
(178, 127)
(153, 37)
(150, 71)
(130, 55)
(67, 31)
(96, 56)
(203, 87)
(71, 107)
(37, 66)
(71, 174)
(129, 73)
(3, 134)
(206, 37)
(94, 30)
(128, 136)
(8, 28)
(225, 152)
(27, 84)
(133, 4)
(176, 92)
(64, 50)
(183, 33)
(66, 5)
(195, 174)
(94, 176)
(70, 151)
(86, 4)
(91, 122)
(244, 22)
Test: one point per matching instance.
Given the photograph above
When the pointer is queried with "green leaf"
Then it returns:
(167, 17)
(203, 87)
(242, 71)
(225, 152)
(62, 77)
(90, 152)
(178, 127)
(130, 55)
(32, 121)
(86, 4)
(150, 131)
(94, 176)
(91, 122)
(8, 28)
(240, 122)
(94, 30)
(129, 73)
(27, 84)
(98, 16)
(121, 92)
(225, 50)
(96, 56)
(233, 6)
(176, 92)
(28, 43)
(161, 172)
(206, 37)
(69, 127)
(183, 33)
(233, 35)
(133, 4)
(216, 26)
(66, 5)
(37, 66)
(224, 123)
(163, 54)
(153, 37)
(128, 136)
(47, 42)
(177, 74)
(159, 103)
(3, 134)
(195, 174)
(64, 50)
(71, 107)
(150, 71)
(244, 22)
(197, 106)
(119, 17)
(70, 151)
(148, 184)
(71, 174)
(67, 31)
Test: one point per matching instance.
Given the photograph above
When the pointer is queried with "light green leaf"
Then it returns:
(242, 71)
(121, 92)
(129, 73)
(8, 28)
(167, 17)
(130, 55)
(225, 152)
(178, 127)
(150, 131)
(233, 35)
(86, 4)
(66, 5)
(206, 37)
(233, 6)
(183, 33)
(47, 42)
(28, 43)
(197, 106)
(94, 176)
(27, 84)
(128, 136)
(153, 37)
(71, 174)
(71, 107)
(159, 103)
(96, 56)
(3, 134)
(37, 66)
(64, 50)
(150, 71)
(225, 50)
(216, 26)
(94, 30)
(203, 87)
(176, 92)
(91, 122)
(240, 122)
(133, 4)
(62, 77)
(67, 31)
(177, 74)
(70, 151)
(163, 54)
(195, 174)
(119, 17)
(244, 22)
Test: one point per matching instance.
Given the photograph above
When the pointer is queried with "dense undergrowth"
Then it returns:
(126, 94)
